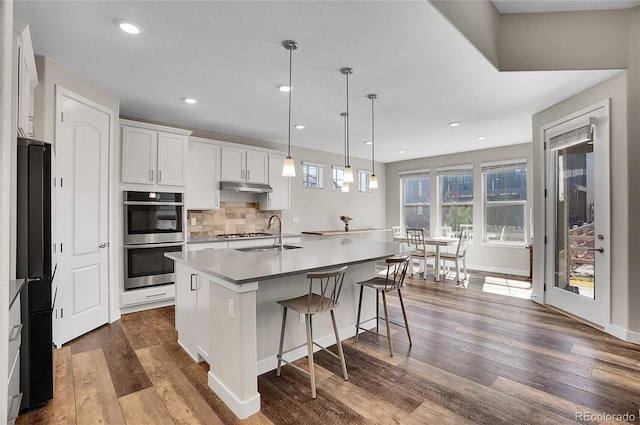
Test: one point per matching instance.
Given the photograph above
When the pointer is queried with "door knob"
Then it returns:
(599, 249)
(103, 245)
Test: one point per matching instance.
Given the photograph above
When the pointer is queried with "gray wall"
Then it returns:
(480, 256)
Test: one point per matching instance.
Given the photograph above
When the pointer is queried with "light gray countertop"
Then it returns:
(243, 267)
(209, 239)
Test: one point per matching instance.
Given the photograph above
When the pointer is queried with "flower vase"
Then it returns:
(346, 227)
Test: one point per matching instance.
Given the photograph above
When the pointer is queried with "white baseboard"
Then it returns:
(624, 334)
(141, 307)
(515, 272)
(115, 315)
(242, 408)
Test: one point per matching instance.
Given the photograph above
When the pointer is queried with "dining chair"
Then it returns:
(329, 284)
(393, 281)
(443, 231)
(460, 255)
(398, 233)
(417, 242)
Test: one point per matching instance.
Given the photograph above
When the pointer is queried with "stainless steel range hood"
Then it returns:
(245, 187)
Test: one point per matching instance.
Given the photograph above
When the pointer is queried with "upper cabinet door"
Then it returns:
(280, 198)
(203, 177)
(172, 153)
(257, 170)
(139, 155)
(232, 166)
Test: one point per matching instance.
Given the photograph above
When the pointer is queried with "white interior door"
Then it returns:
(82, 147)
(577, 216)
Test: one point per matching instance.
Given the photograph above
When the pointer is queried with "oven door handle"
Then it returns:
(180, 204)
(154, 245)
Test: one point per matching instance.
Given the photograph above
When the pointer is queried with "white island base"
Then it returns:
(245, 345)
(245, 319)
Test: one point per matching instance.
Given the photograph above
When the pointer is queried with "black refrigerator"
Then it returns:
(33, 263)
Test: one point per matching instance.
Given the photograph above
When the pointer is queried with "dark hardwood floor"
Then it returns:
(476, 358)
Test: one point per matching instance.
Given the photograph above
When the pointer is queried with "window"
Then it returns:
(363, 181)
(312, 175)
(455, 187)
(505, 196)
(416, 198)
(338, 172)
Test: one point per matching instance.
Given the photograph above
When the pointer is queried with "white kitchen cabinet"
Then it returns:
(203, 176)
(153, 155)
(26, 78)
(192, 311)
(279, 199)
(242, 165)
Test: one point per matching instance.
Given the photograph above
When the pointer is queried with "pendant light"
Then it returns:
(345, 184)
(348, 173)
(289, 168)
(373, 179)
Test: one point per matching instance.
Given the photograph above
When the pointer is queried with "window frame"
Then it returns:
(320, 175)
(459, 170)
(367, 174)
(334, 179)
(485, 169)
(415, 174)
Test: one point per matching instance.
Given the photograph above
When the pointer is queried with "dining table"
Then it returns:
(438, 242)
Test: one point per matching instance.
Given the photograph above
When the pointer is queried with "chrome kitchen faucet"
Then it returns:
(278, 242)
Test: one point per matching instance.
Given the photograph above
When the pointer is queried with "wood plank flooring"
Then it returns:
(476, 358)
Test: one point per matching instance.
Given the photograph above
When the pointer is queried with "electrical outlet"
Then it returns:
(193, 221)
(295, 220)
(232, 310)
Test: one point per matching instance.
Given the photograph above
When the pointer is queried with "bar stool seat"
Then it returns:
(394, 280)
(329, 283)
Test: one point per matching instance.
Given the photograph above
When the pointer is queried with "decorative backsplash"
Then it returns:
(232, 217)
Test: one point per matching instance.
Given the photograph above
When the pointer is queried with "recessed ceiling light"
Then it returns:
(283, 88)
(454, 124)
(129, 27)
(401, 151)
(190, 100)
(367, 142)
(299, 126)
(480, 137)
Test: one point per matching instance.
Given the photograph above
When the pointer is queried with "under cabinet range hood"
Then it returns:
(245, 187)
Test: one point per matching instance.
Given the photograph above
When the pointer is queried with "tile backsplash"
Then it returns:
(232, 217)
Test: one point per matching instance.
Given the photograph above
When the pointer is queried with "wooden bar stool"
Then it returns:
(330, 285)
(394, 280)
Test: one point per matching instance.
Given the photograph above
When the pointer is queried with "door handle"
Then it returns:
(103, 245)
(191, 283)
(599, 249)
(159, 176)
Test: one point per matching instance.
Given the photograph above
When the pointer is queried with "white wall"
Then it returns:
(480, 256)
(7, 140)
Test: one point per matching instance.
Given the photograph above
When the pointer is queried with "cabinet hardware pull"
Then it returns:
(248, 174)
(159, 175)
(191, 283)
(17, 329)
(151, 175)
(242, 174)
(217, 202)
(103, 245)
(156, 295)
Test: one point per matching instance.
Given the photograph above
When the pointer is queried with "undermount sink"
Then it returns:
(266, 248)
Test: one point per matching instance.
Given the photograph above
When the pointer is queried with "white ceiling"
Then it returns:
(228, 54)
(538, 6)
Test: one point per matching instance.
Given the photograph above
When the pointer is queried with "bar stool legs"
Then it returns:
(312, 371)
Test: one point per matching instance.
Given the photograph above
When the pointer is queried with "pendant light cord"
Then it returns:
(348, 164)
(373, 139)
(290, 90)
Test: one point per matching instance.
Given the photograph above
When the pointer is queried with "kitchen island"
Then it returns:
(237, 291)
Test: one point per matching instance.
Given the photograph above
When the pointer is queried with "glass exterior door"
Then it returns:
(577, 216)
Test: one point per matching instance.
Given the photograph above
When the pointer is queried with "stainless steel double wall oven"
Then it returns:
(153, 225)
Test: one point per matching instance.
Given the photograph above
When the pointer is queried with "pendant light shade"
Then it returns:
(348, 172)
(373, 179)
(345, 186)
(289, 168)
(345, 182)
